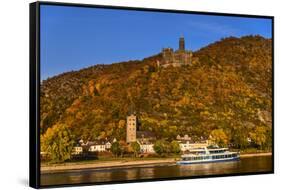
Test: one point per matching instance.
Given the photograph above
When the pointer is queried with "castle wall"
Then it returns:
(168, 55)
(177, 58)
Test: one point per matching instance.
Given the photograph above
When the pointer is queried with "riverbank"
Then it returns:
(121, 163)
(255, 154)
(107, 164)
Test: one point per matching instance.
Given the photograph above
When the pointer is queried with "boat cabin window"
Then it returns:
(216, 151)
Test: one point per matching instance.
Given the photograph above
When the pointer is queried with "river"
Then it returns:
(244, 165)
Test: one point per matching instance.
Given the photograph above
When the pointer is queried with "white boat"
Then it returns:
(204, 155)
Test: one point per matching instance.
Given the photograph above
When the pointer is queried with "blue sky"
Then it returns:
(77, 37)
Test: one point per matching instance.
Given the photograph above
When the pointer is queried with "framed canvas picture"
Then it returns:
(120, 94)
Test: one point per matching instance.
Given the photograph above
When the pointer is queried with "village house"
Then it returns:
(201, 144)
(184, 146)
(183, 138)
(187, 145)
(77, 150)
(81, 142)
(107, 145)
(145, 136)
(97, 146)
(146, 147)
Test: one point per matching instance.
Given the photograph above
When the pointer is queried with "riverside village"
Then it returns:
(145, 140)
(143, 144)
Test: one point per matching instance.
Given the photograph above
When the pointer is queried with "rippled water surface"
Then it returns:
(245, 165)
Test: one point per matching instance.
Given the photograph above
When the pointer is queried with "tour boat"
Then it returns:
(204, 155)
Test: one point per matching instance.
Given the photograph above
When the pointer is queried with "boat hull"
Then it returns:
(207, 161)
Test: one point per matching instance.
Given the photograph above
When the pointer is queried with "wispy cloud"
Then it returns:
(214, 27)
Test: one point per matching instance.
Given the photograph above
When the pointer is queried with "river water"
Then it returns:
(244, 165)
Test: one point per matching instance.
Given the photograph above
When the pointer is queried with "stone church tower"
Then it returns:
(181, 44)
(131, 133)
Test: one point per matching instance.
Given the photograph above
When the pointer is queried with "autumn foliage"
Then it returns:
(227, 88)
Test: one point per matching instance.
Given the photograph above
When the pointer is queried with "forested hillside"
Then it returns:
(227, 87)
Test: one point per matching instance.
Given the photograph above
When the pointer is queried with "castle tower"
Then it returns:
(181, 44)
(131, 131)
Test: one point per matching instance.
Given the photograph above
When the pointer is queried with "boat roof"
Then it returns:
(209, 149)
(215, 149)
(198, 155)
(197, 150)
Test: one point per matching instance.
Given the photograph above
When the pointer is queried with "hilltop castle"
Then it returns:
(176, 58)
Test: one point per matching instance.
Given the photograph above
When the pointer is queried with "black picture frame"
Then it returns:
(34, 91)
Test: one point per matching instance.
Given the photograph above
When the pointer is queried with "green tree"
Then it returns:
(175, 147)
(136, 148)
(268, 143)
(170, 132)
(123, 147)
(120, 132)
(115, 148)
(160, 147)
(259, 136)
(219, 137)
(240, 137)
(58, 142)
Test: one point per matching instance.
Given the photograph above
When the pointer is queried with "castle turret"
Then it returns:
(181, 44)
